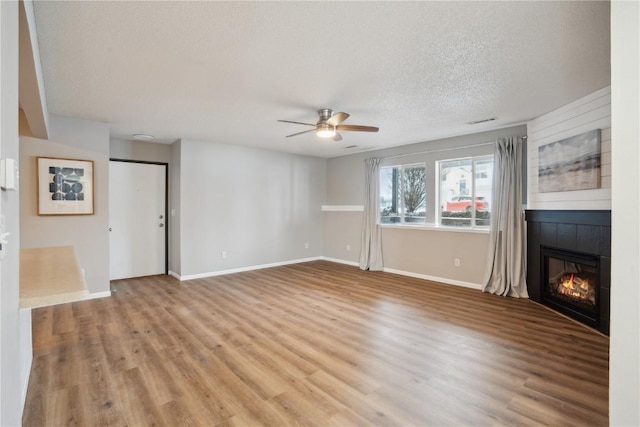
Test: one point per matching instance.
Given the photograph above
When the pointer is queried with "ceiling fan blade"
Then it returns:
(337, 137)
(357, 128)
(300, 133)
(297, 123)
(337, 118)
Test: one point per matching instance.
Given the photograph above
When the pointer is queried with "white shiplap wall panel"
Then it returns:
(587, 103)
(588, 113)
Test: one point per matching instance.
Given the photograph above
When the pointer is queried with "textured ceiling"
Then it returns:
(226, 71)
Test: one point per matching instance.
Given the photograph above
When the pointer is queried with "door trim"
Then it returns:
(166, 203)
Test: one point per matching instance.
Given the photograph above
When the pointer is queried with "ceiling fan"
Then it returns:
(328, 125)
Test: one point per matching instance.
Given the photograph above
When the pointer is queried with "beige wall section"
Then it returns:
(432, 253)
(89, 234)
(590, 112)
(339, 230)
(23, 124)
(139, 150)
(258, 206)
(418, 251)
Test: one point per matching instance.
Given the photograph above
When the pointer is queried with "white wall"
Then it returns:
(259, 206)
(425, 252)
(11, 341)
(624, 371)
(590, 112)
(89, 234)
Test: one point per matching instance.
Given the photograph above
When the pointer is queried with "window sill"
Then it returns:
(435, 227)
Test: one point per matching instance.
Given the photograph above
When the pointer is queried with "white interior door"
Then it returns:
(137, 209)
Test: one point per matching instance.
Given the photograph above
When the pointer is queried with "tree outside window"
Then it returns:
(403, 194)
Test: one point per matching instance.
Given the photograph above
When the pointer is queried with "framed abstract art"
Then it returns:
(570, 164)
(65, 186)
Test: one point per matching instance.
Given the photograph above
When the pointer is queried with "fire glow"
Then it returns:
(576, 287)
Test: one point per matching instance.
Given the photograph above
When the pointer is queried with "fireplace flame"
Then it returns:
(574, 286)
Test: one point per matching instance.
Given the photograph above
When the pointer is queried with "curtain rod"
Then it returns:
(442, 149)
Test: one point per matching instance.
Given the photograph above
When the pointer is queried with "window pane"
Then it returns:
(402, 194)
(455, 192)
(484, 184)
(465, 192)
(414, 194)
(389, 195)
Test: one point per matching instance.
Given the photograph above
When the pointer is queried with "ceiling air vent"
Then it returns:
(477, 122)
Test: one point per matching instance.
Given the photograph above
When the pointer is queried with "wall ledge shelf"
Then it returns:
(50, 276)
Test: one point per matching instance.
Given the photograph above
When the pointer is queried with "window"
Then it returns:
(465, 191)
(402, 194)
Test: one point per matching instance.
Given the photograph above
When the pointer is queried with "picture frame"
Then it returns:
(570, 164)
(65, 186)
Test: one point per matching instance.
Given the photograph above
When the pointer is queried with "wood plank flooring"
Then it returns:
(317, 344)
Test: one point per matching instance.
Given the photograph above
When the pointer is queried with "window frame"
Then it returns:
(401, 208)
(472, 221)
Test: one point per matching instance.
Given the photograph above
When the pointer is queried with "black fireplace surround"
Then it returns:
(576, 236)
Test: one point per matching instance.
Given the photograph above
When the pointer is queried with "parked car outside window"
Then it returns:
(463, 203)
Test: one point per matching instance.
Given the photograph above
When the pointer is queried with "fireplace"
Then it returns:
(571, 283)
(569, 263)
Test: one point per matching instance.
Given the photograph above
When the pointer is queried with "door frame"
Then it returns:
(166, 203)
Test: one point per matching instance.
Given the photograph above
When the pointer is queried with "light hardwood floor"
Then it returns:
(312, 344)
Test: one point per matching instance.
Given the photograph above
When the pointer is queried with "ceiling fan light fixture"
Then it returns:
(329, 125)
(326, 131)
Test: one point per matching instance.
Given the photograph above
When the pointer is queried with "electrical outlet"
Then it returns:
(456, 262)
(306, 245)
(348, 248)
(223, 255)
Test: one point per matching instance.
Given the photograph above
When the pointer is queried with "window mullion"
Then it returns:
(401, 193)
(473, 193)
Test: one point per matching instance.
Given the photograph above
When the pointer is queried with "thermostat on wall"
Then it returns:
(8, 174)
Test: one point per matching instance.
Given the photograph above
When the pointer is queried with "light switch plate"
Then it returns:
(8, 174)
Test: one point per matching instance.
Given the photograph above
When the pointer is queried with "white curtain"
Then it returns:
(506, 261)
(371, 244)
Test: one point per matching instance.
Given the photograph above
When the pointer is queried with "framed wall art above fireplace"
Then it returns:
(570, 164)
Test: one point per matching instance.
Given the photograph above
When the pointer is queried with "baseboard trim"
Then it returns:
(64, 298)
(340, 261)
(446, 281)
(25, 351)
(242, 269)
(96, 295)
(476, 286)
(411, 274)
